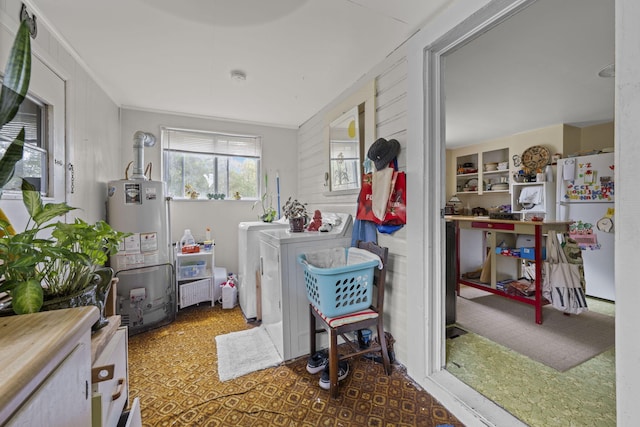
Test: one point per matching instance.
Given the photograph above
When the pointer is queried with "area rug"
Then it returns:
(243, 352)
(561, 342)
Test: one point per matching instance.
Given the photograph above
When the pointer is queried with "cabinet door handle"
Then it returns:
(118, 393)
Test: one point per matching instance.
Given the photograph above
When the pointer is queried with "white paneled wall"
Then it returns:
(391, 122)
(94, 141)
(92, 118)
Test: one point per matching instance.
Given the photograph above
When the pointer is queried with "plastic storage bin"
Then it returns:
(191, 270)
(345, 287)
(530, 253)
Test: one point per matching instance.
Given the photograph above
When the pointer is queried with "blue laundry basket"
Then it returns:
(339, 290)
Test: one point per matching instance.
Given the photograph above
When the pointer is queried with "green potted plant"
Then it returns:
(46, 261)
(296, 212)
(57, 271)
(266, 201)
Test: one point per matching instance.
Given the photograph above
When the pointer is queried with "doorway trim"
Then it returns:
(426, 229)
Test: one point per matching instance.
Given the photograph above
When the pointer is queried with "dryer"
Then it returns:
(249, 264)
(285, 307)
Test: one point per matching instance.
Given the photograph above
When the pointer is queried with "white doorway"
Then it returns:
(426, 261)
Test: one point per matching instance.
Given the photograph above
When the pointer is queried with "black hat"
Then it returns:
(383, 151)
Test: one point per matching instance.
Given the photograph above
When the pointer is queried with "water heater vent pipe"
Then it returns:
(140, 140)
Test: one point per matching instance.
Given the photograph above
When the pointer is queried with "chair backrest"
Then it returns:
(379, 275)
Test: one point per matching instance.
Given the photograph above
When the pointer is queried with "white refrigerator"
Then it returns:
(586, 191)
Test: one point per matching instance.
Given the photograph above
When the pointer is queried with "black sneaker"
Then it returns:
(343, 371)
(317, 362)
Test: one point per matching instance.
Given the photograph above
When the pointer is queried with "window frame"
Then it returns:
(49, 88)
(216, 155)
(44, 142)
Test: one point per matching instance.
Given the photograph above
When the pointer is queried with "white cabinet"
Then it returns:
(110, 381)
(62, 400)
(534, 199)
(134, 417)
(482, 172)
(467, 177)
(194, 278)
(495, 171)
(46, 373)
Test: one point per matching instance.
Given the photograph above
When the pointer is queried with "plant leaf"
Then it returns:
(50, 211)
(27, 297)
(5, 224)
(16, 75)
(32, 200)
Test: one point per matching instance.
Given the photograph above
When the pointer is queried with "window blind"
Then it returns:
(212, 142)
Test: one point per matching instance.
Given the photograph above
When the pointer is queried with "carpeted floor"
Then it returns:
(538, 395)
(567, 341)
(173, 370)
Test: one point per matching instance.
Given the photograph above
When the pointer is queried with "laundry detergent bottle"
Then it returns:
(187, 242)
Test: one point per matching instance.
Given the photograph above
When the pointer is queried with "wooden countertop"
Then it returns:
(32, 346)
(501, 221)
(101, 337)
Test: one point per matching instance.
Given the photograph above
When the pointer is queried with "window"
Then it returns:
(33, 166)
(211, 163)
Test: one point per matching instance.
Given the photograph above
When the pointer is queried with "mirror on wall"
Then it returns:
(349, 131)
(346, 145)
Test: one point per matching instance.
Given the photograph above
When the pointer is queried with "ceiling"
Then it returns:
(536, 69)
(177, 56)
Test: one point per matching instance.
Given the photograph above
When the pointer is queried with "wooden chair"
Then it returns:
(339, 326)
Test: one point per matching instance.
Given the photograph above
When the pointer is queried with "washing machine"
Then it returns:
(249, 264)
(285, 307)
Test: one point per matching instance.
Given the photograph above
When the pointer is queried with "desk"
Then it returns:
(495, 227)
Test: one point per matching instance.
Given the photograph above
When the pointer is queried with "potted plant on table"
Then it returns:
(54, 265)
(296, 213)
(63, 270)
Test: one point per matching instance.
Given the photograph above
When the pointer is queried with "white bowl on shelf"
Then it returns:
(501, 186)
(503, 166)
(490, 167)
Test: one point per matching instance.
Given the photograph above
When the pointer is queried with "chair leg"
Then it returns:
(312, 332)
(333, 363)
(383, 350)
